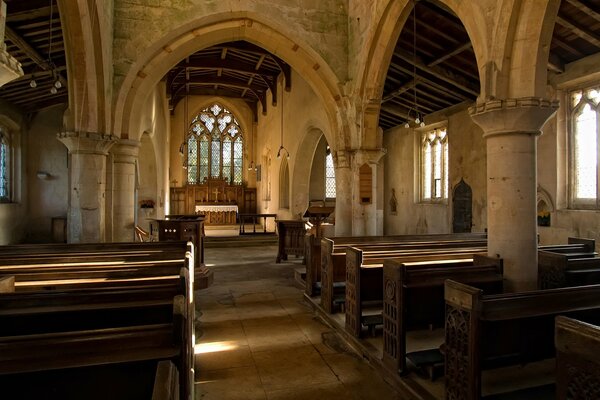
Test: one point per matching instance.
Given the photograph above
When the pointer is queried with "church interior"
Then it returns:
(388, 199)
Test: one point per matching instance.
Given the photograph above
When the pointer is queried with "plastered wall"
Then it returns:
(466, 160)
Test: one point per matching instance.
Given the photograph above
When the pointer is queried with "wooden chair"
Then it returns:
(142, 235)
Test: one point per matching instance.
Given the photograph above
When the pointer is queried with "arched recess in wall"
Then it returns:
(154, 63)
(284, 185)
(301, 171)
(147, 185)
(382, 45)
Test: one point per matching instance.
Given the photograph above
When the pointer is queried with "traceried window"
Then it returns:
(585, 131)
(215, 146)
(329, 175)
(5, 170)
(434, 165)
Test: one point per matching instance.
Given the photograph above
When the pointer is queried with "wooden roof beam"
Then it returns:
(451, 54)
(585, 9)
(579, 30)
(555, 63)
(439, 73)
(399, 91)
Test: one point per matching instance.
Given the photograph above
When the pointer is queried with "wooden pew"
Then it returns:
(364, 278)
(490, 331)
(125, 301)
(333, 258)
(7, 284)
(290, 239)
(69, 351)
(577, 359)
(557, 270)
(414, 298)
(166, 382)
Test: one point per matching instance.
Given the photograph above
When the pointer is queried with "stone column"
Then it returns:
(364, 221)
(343, 192)
(511, 128)
(87, 176)
(125, 156)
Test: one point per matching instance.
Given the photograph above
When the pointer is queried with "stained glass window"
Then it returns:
(329, 175)
(585, 128)
(215, 146)
(434, 165)
(4, 166)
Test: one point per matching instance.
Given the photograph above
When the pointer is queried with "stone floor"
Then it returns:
(258, 339)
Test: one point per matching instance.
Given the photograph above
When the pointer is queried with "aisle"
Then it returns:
(257, 339)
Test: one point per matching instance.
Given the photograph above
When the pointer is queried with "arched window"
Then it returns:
(214, 146)
(434, 165)
(5, 170)
(329, 175)
(585, 129)
(284, 185)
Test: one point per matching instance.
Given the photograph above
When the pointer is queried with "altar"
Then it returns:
(218, 214)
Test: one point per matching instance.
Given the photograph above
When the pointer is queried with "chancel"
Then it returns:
(273, 199)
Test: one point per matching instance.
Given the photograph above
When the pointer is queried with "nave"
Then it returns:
(256, 338)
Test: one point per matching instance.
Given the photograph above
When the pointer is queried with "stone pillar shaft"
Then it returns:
(87, 189)
(343, 193)
(511, 128)
(125, 155)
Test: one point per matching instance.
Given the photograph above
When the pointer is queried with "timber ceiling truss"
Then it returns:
(445, 63)
(28, 31)
(233, 69)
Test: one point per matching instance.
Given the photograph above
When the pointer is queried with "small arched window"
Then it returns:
(585, 132)
(215, 146)
(329, 175)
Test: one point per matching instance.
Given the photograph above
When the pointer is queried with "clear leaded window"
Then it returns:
(214, 146)
(434, 165)
(585, 130)
(4, 166)
(329, 175)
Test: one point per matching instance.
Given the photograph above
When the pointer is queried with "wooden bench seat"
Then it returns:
(118, 309)
(414, 299)
(364, 275)
(333, 254)
(491, 331)
(557, 270)
(577, 359)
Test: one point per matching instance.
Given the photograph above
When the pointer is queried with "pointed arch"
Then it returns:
(284, 185)
(145, 73)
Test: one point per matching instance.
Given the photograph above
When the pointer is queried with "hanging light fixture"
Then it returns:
(57, 84)
(418, 116)
(281, 148)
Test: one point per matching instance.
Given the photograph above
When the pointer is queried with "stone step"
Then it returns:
(240, 241)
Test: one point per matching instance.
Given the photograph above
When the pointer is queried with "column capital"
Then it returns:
(87, 142)
(126, 150)
(525, 115)
(369, 156)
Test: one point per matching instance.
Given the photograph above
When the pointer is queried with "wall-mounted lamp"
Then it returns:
(43, 175)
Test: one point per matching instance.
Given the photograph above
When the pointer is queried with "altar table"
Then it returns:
(215, 214)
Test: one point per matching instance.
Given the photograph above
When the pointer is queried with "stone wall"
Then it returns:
(466, 160)
(139, 25)
(305, 122)
(46, 194)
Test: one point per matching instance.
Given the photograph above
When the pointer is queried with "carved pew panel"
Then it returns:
(577, 359)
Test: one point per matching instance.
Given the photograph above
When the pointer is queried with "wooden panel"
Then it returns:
(184, 199)
(365, 184)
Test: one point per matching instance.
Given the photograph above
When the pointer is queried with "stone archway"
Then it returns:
(301, 170)
(378, 54)
(157, 60)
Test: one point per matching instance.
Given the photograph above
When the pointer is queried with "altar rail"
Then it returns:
(254, 219)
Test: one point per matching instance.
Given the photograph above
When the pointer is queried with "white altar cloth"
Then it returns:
(216, 208)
